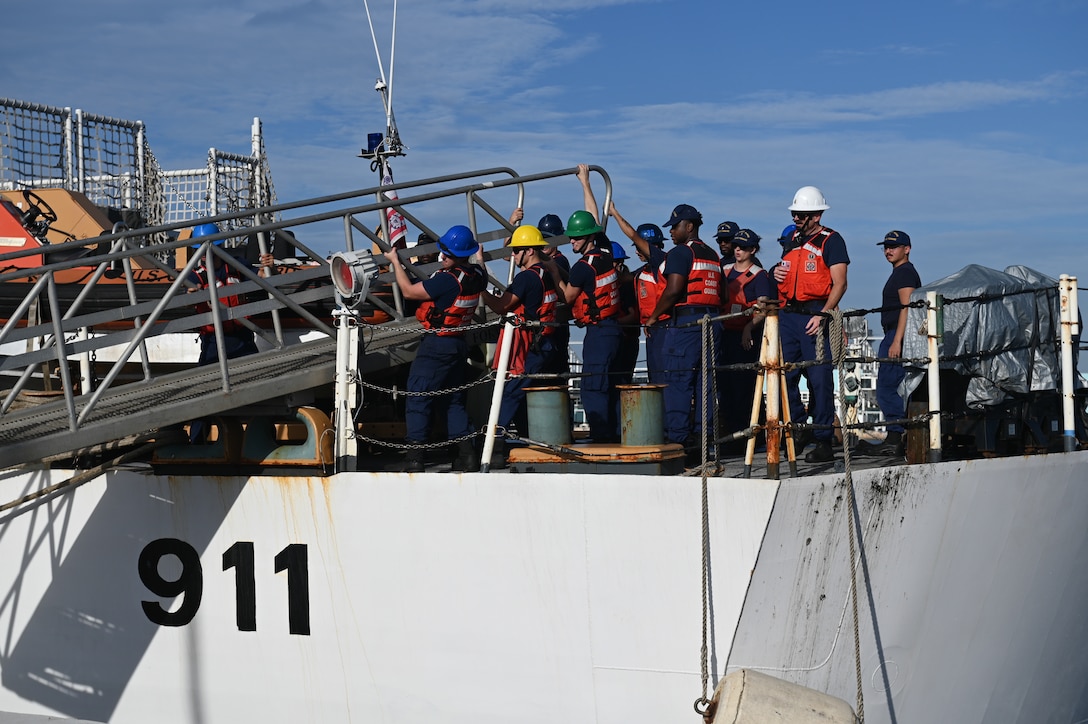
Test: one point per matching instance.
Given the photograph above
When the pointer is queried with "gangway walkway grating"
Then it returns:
(38, 432)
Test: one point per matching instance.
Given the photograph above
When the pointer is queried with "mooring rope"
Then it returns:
(703, 704)
(838, 356)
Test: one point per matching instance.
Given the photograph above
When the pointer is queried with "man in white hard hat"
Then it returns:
(811, 281)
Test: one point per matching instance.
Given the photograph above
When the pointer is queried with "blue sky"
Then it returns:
(960, 122)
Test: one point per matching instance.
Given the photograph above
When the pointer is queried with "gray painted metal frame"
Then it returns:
(116, 409)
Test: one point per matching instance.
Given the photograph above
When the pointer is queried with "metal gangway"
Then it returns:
(57, 336)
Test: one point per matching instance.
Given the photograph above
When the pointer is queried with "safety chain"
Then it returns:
(467, 327)
(419, 445)
(838, 355)
(377, 332)
(394, 391)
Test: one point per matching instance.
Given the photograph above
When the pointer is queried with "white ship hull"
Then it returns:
(545, 598)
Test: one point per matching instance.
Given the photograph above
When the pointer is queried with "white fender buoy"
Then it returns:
(749, 697)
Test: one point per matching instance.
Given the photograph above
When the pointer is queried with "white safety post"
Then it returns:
(935, 332)
(1067, 290)
(86, 379)
(347, 362)
(496, 396)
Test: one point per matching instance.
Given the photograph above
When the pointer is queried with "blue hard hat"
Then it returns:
(551, 225)
(458, 242)
(617, 252)
(652, 233)
(205, 229)
(787, 233)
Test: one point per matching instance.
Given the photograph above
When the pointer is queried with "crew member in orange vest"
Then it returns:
(811, 281)
(593, 290)
(238, 339)
(649, 282)
(449, 300)
(744, 283)
(692, 290)
(627, 359)
(532, 298)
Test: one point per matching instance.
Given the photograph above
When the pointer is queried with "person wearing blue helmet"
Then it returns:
(627, 357)
(551, 228)
(783, 240)
(649, 281)
(238, 339)
(448, 302)
(787, 234)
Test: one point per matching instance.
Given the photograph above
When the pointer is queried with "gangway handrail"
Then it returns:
(122, 245)
(267, 211)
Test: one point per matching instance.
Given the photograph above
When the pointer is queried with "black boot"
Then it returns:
(413, 460)
(822, 453)
(467, 460)
(802, 438)
(498, 454)
(863, 449)
(893, 445)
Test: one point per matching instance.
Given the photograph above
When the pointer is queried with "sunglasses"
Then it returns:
(804, 214)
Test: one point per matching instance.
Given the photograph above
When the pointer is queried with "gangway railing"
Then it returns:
(56, 326)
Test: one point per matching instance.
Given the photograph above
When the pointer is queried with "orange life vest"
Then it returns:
(470, 282)
(603, 301)
(704, 279)
(650, 284)
(231, 300)
(523, 337)
(808, 277)
(546, 312)
(736, 300)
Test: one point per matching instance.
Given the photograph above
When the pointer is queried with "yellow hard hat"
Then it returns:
(527, 236)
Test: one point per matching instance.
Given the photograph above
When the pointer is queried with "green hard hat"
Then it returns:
(582, 223)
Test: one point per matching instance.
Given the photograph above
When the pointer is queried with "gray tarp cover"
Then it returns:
(1023, 318)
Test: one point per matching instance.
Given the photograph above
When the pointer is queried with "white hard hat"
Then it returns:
(809, 198)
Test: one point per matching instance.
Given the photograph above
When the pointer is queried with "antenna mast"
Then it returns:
(381, 146)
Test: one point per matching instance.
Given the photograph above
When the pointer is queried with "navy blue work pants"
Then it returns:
(439, 365)
(512, 408)
(627, 358)
(888, 377)
(686, 411)
(655, 338)
(600, 399)
(238, 344)
(737, 388)
(800, 347)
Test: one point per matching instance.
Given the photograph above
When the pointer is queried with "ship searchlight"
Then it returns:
(352, 272)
